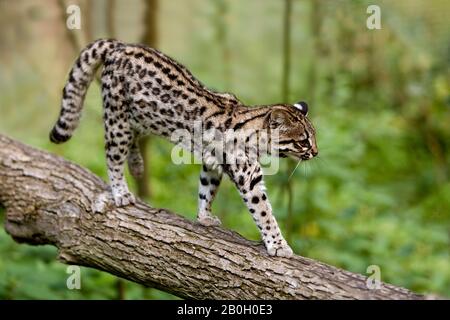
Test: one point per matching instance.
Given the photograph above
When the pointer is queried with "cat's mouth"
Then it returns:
(296, 156)
(293, 155)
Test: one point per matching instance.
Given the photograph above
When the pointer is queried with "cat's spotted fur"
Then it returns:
(145, 91)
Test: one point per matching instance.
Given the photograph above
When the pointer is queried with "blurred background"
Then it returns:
(379, 194)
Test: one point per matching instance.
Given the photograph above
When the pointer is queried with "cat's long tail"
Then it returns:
(80, 77)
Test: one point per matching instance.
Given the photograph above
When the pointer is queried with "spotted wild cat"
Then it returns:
(145, 91)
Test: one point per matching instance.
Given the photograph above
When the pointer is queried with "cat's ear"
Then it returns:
(279, 118)
(302, 106)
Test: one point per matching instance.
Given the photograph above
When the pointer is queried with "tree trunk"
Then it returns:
(149, 38)
(110, 18)
(285, 92)
(49, 200)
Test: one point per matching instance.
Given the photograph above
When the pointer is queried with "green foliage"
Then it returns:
(379, 193)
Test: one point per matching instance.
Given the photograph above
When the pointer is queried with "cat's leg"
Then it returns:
(248, 177)
(118, 140)
(209, 182)
(135, 160)
(117, 145)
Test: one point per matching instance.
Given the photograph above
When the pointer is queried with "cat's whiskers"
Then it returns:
(305, 171)
(323, 162)
(293, 171)
(314, 164)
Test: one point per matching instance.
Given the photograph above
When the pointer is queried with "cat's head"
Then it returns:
(296, 135)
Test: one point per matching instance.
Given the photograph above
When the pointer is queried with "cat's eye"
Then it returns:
(298, 145)
(304, 143)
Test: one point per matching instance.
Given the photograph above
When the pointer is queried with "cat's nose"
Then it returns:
(314, 152)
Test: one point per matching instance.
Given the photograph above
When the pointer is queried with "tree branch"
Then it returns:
(49, 200)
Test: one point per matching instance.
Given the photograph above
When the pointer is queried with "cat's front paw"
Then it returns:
(279, 249)
(123, 198)
(209, 221)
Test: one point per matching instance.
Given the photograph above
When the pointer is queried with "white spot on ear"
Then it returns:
(299, 107)
(302, 106)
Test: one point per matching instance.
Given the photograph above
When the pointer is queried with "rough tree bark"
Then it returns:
(49, 200)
